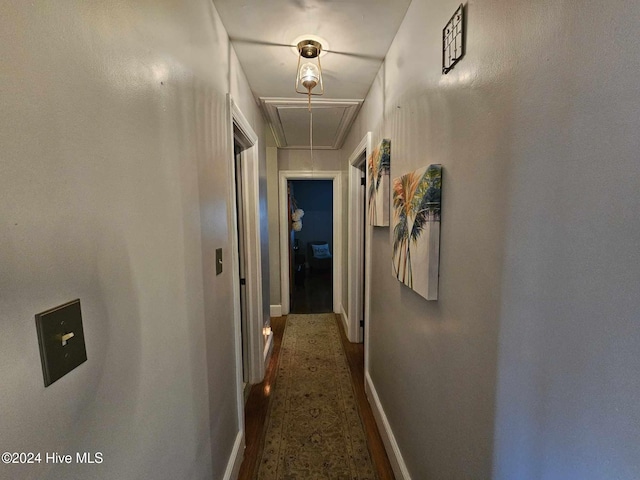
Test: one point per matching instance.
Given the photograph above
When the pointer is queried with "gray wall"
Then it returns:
(274, 224)
(302, 160)
(114, 189)
(527, 366)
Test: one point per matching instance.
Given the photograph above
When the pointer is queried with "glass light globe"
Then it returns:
(309, 75)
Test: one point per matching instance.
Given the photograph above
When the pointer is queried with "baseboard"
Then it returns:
(235, 460)
(345, 321)
(276, 310)
(390, 445)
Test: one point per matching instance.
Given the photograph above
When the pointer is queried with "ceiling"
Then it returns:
(357, 36)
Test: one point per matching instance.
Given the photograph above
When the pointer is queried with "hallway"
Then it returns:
(118, 193)
(257, 406)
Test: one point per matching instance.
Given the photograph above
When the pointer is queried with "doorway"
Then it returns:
(242, 258)
(251, 343)
(311, 246)
(287, 263)
(359, 247)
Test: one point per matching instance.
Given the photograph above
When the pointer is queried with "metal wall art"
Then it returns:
(453, 40)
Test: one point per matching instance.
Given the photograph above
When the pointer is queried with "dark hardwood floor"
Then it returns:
(312, 292)
(258, 401)
(255, 409)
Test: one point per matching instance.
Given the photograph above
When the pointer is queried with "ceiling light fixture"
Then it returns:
(309, 74)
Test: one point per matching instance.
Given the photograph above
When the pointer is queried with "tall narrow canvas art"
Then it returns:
(416, 229)
(378, 172)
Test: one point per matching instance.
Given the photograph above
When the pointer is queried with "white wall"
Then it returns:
(526, 367)
(114, 189)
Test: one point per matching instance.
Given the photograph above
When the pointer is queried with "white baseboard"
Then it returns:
(276, 311)
(235, 460)
(390, 445)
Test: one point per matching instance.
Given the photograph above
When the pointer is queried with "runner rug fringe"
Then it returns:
(313, 430)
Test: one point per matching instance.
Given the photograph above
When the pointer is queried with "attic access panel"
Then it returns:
(296, 123)
(289, 121)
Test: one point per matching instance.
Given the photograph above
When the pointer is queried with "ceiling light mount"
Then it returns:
(309, 48)
(306, 38)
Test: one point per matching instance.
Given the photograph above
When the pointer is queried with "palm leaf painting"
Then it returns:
(416, 229)
(378, 167)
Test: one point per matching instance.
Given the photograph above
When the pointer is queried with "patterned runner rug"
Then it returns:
(313, 430)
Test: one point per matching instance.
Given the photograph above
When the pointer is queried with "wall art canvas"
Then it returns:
(378, 167)
(416, 229)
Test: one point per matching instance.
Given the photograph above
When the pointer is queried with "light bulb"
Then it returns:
(309, 75)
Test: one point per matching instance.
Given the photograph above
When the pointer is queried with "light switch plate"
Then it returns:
(61, 340)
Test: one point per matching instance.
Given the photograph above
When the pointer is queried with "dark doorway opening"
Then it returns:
(311, 284)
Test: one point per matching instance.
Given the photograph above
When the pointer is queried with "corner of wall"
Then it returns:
(384, 427)
(235, 459)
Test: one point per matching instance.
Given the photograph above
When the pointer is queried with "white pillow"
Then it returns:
(321, 251)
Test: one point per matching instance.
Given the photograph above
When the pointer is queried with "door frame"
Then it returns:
(284, 177)
(357, 214)
(242, 132)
